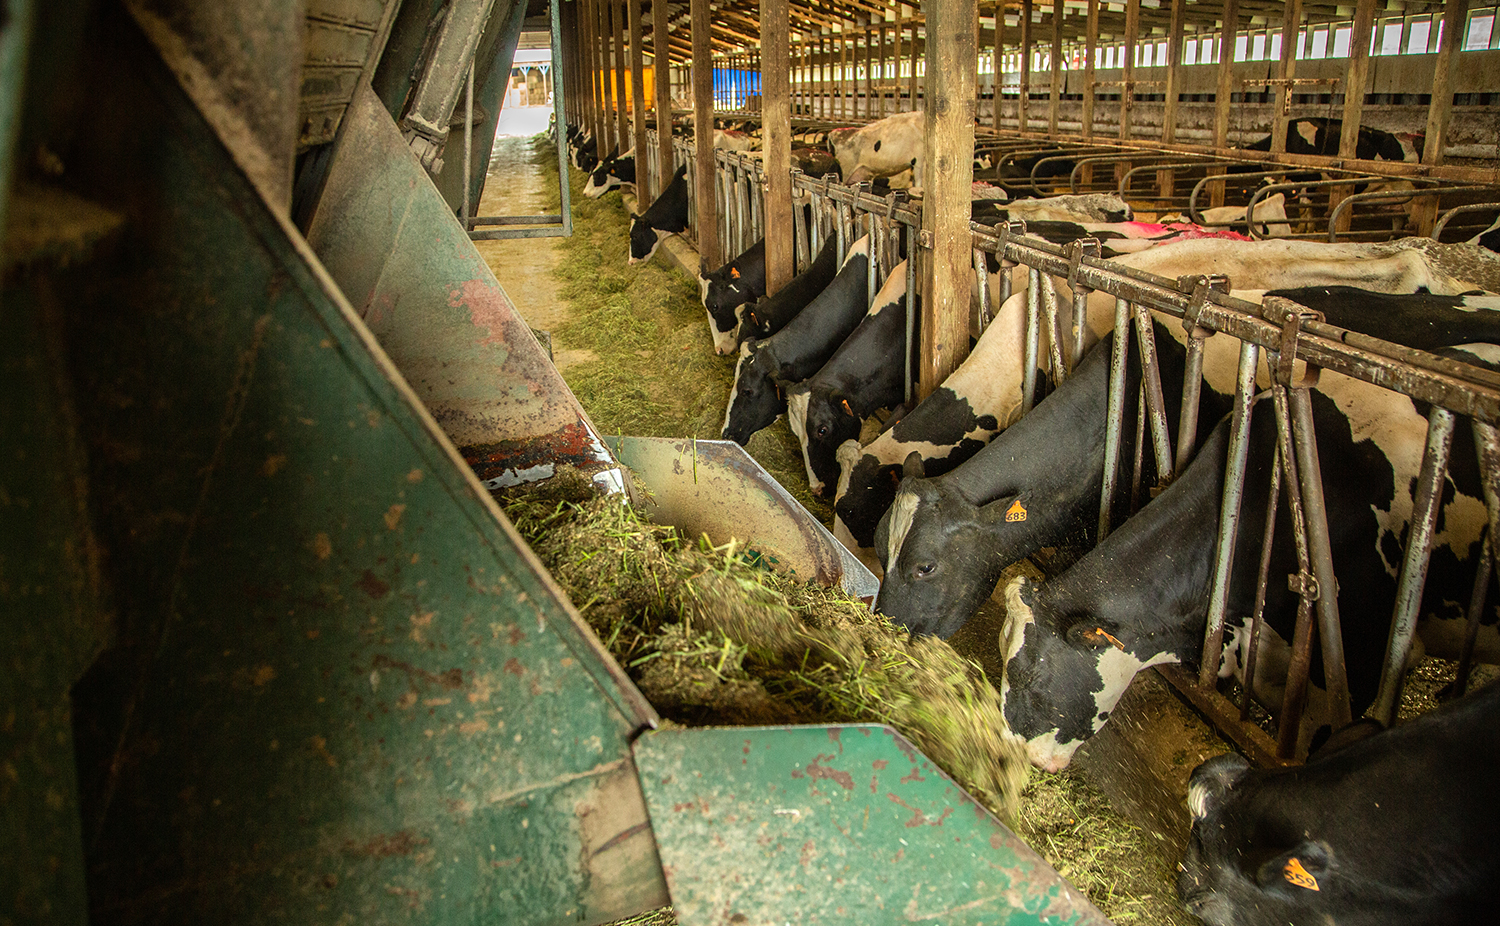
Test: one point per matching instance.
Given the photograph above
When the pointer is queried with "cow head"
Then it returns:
(724, 295)
(1064, 672)
(758, 395)
(822, 419)
(644, 240)
(838, 138)
(939, 552)
(599, 182)
(1249, 863)
(866, 489)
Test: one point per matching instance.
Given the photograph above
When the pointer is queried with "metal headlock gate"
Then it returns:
(1279, 331)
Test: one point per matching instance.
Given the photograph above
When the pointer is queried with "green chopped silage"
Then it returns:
(711, 638)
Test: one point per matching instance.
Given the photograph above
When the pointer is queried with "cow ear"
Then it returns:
(912, 467)
(1212, 780)
(839, 400)
(1094, 634)
(1304, 868)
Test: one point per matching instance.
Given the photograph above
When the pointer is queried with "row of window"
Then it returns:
(1410, 35)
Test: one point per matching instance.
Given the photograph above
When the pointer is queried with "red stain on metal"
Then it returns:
(372, 586)
(807, 854)
(900, 854)
(833, 734)
(874, 783)
(516, 636)
(880, 764)
(488, 308)
(747, 747)
(913, 775)
(815, 770)
(996, 842)
(385, 845)
(513, 666)
(452, 678)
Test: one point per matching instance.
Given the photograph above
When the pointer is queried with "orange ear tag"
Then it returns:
(1296, 874)
(734, 273)
(847, 409)
(1016, 511)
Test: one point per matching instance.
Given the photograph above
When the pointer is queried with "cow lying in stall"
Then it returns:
(994, 391)
(1397, 827)
(865, 374)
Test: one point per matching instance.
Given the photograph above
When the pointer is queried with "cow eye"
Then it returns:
(823, 431)
(923, 570)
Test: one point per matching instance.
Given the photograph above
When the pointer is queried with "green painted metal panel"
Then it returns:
(839, 824)
(345, 688)
(388, 238)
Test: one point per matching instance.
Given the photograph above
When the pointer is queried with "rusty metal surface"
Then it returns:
(839, 824)
(345, 689)
(407, 265)
(714, 487)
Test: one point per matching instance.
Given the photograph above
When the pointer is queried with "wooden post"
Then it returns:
(880, 74)
(1359, 76)
(661, 65)
(900, 33)
(846, 105)
(622, 124)
(776, 116)
(1357, 79)
(1127, 88)
(1091, 50)
(1023, 115)
(1455, 18)
(596, 76)
(911, 87)
(999, 71)
(870, 33)
(1291, 24)
(1227, 35)
(637, 92)
(948, 176)
(1166, 179)
(703, 138)
(1054, 102)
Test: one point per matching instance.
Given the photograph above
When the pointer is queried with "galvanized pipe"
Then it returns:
(1476, 610)
(982, 282)
(1192, 390)
(1320, 553)
(912, 259)
(1229, 508)
(1051, 316)
(1294, 697)
(1115, 419)
(1156, 406)
(1429, 498)
(1033, 333)
(1262, 584)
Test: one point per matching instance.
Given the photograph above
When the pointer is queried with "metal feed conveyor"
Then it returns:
(274, 653)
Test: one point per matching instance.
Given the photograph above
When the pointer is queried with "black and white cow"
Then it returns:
(766, 368)
(880, 149)
(616, 173)
(865, 374)
(1071, 207)
(771, 314)
(1140, 598)
(1320, 136)
(668, 215)
(944, 430)
(738, 283)
(945, 541)
(585, 153)
(1397, 827)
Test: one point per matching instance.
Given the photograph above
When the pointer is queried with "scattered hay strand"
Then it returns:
(711, 638)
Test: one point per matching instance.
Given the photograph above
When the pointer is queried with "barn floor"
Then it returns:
(633, 345)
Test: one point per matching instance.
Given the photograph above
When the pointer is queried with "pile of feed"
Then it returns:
(710, 637)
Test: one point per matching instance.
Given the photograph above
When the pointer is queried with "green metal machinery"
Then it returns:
(272, 653)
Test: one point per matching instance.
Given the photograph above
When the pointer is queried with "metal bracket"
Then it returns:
(1202, 285)
(1290, 316)
(1077, 251)
(1304, 584)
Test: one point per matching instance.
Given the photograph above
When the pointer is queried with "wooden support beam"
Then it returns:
(846, 109)
(637, 92)
(1174, 72)
(1455, 18)
(1291, 23)
(707, 204)
(1054, 101)
(880, 76)
(869, 76)
(998, 51)
(1358, 76)
(596, 76)
(1225, 90)
(899, 33)
(911, 87)
(622, 120)
(1091, 47)
(1023, 107)
(662, 71)
(948, 175)
(1127, 89)
(776, 115)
